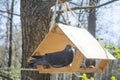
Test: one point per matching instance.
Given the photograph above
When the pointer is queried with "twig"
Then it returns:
(87, 7)
(9, 12)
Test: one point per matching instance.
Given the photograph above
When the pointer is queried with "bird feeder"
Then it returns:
(88, 48)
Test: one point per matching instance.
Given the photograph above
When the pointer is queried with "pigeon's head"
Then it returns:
(74, 49)
(68, 47)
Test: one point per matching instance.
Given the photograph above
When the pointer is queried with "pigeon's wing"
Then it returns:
(56, 58)
(48, 59)
(59, 59)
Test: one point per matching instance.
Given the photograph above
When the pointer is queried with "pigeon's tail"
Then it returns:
(37, 57)
(35, 62)
(38, 61)
(31, 65)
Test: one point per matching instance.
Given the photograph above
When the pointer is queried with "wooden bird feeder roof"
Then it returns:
(88, 48)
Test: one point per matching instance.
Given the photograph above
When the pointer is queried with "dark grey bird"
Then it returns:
(56, 59)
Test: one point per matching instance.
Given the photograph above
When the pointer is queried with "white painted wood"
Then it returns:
(85, 42)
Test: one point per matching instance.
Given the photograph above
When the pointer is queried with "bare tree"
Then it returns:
(10, 33)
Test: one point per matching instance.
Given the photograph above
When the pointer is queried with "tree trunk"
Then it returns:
(10, 33)
(35, 19)
(92, 18)
(91, 29)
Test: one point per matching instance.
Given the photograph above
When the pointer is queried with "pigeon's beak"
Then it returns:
(74, 49)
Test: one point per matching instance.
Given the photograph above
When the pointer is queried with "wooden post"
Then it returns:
(76, 62)
(103, 64)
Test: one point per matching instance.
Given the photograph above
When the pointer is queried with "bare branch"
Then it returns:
(88, 7)
(106, 3)
(9, 13)
(50, 4)
(65, 0)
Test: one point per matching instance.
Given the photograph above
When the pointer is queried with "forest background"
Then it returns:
(106, 27)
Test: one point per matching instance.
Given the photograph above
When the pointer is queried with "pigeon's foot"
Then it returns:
(46, 67)
(31, 65)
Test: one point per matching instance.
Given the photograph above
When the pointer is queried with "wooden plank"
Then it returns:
(77, 61)
(40, 68)
(56, 30)
(85, 42)
(89, 70)
(54, 70)
(103, 64)
(29, 69)
(68, 70)
(52, 43)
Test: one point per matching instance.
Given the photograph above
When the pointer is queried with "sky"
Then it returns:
(16, 19)
(108, 19)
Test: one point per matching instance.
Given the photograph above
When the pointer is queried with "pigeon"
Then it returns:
(56, 60)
